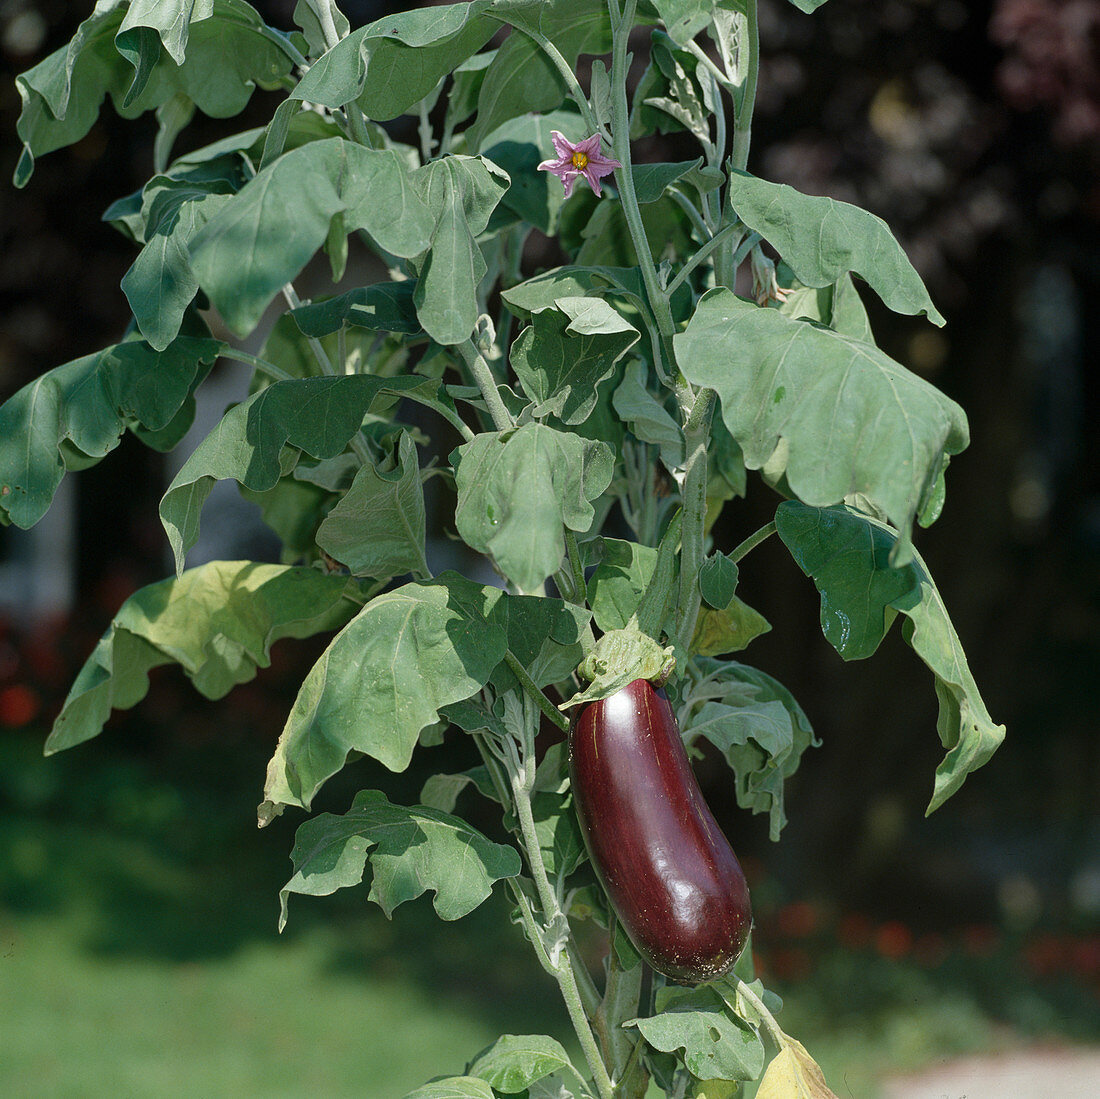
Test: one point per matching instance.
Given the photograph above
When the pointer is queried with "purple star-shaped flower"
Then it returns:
(582, 159)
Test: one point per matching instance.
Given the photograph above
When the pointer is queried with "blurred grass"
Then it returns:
(139, 956)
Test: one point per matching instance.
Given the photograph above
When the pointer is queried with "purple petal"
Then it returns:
(590, 146)
(562, 144)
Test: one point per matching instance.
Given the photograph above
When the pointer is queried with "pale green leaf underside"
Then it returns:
(382, 680)
(85, 406)
(822, 240)
(853, 419)
(517, 492)
(516, 1061)
(217, 621)
(454, 1087)
(411, 851)
(847, 555)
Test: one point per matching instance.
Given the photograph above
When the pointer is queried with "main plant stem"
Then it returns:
(562, 965)
(694, 496)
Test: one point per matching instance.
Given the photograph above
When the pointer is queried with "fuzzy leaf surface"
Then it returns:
(384, 678)
(411, 851)
(217, 621)
(847, 554)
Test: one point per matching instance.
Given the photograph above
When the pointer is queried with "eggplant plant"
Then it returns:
(588, 424)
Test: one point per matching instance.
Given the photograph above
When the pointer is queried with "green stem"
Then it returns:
(576, 92)
(768, 1019)
(576, 569)
(702, 254)
(698, 221)
(533, 692)
(566, 978)
(753, 540)
(694, 494)
(291, 297)
(483, 377)
(742, 121)
(620, 126)
(275, 373)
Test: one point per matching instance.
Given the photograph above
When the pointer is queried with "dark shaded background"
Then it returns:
(972, 129)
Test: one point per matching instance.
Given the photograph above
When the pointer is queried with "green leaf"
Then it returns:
(684, 19)
(716, 1044)
(808, 6)
(462, 193)
(516, 1061)
(718, 580)
(559, 835)
(260, 440)
(544, 634)
(382, 680)
(217, 621)
(652, 180)
(307, 14)
(75, 414)
(521, 78)
(228, 55)
(377, 528)
(618, 582)
(441, 791)
(454, 1087)
(565, 353)
(821, 240)
(516, 491)
(391, 64)
(757, 725)
(160, 284)
(884, 430)
(265, 235)
(648, 418)
(386, 307)
(847, 554)
(718, 632)
(410, 851)
(608, 243)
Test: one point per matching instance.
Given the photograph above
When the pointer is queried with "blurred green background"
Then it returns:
(138, 950)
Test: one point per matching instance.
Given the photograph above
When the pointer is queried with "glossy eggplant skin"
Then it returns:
(672, 877)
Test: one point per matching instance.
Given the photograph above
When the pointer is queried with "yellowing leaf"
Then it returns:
(794, 1074)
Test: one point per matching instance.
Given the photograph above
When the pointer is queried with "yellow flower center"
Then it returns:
(580, 160)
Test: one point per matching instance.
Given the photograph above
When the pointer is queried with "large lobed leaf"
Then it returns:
(217, 621)
(213, 57)
(411, 850)
(853, 420)
(516, 1061)
(75, 414)
(382, 680)
(848, 554)
(822, 240)
(517, 490)
(264, 236)
(259, 440)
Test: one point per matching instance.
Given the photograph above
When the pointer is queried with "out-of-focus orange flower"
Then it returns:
(797, 920)
(893, 940)
(19, 705)
(854, 931)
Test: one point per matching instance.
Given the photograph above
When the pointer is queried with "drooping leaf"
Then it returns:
(521, 78)
(461, 192)
(560, 839)
(848, 556)
(227, 55)
(259, 440)
(383, 679)
(648, 418)
(377, 528)
(718, 580)
(75, 414)
(566, 352)
(217, 621)
(729, 630)
(160, 284)
(794, 1074)
(757, 725)
(441, 791)
(716, 1044)
(410, 851)
(516, 492)
(391, 64)
(822, 240)
(516, 1061)
(854, 420)
(265, 235)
